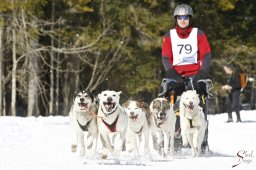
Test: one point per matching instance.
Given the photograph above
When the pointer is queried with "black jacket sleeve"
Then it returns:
(234, 81)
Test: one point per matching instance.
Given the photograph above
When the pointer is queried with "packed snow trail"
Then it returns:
(43, 143)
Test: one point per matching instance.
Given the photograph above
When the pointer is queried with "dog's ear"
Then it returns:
(151, 105)
(182, 96)
(99, 95)
(119, 93)
(155, 104)
(91, 96)
(167, 105)
(145, 105)
(74, 96)
(126, 104)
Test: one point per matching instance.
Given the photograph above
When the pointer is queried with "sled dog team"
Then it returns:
(125, 127)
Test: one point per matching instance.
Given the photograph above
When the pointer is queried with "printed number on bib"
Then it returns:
(186, 47)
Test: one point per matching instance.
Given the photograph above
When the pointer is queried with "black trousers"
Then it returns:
(233, 103)
(180, 87)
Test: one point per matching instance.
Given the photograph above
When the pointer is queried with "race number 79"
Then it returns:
(186, 47)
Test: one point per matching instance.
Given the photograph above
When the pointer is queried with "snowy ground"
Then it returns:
(43, 143)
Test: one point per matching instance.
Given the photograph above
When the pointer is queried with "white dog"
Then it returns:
(112, 122)
(82, 120)
(138, 126)
(163, 125)
(192, 121)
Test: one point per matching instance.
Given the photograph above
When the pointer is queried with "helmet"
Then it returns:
(183, 9)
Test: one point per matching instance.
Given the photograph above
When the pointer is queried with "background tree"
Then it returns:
(52, 48)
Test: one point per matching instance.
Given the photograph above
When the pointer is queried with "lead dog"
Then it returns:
(163, 125)
(82, 120)
(112, 122)
(138, 126)
(192, 121)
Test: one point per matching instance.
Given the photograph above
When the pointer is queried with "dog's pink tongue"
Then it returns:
(108, 107)
(82, 106)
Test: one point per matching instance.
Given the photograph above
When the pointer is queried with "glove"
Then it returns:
(201, 74)
(172, 74)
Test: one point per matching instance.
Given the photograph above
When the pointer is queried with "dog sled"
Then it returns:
(169, 93)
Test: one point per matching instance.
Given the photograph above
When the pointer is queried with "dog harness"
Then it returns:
(191, 122)
(139, 130)
(111, 127)
(84, 127)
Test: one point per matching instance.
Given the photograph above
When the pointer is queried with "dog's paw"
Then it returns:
(91, 154)
(82, 152)
(185, 143)
(146, 151)
(195, 152)
(177, 135)
(171, 152)
(73, 148)
(103, 156)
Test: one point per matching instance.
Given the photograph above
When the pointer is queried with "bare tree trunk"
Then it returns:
(33, 69)
(66, 91)
(57, 88)
(57, 80)
(32, 86)
(14, 69)
(52, 71)
(1, 68)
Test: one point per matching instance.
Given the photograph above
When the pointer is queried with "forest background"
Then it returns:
(49, 49)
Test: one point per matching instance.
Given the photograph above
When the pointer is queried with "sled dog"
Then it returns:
(138, 126)
(112, 122)
(192, 121)
(83, 120)
(163, 125)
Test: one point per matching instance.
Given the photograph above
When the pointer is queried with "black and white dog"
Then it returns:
(83, 120)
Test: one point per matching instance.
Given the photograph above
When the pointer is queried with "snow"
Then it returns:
(43, 143)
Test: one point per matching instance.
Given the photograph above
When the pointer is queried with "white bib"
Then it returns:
(184, 50)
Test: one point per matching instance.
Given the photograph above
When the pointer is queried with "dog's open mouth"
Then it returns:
(190, 106)
(83, 106)
(109, 106)
(161, 118)
(133, 117)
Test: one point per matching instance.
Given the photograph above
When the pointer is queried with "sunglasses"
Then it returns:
(184, 17)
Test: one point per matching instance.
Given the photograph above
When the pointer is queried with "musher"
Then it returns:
(186, 57)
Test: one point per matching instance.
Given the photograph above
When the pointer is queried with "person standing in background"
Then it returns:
(233, 88)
